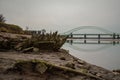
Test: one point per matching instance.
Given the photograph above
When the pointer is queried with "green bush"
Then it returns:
(10, 28)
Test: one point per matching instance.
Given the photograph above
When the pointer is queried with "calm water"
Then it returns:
(107, 56)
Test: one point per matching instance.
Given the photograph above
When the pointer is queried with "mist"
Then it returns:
(62, 15)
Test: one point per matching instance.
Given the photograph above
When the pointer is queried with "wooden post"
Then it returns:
(98, 38)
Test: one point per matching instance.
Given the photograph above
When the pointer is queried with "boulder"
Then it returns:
(30, 49)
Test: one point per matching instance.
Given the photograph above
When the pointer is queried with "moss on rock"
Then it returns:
(42, 67)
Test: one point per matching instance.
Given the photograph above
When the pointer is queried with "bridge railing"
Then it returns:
(114, 38)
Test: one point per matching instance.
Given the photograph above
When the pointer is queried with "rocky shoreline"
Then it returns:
(49, 65)
(21, 58)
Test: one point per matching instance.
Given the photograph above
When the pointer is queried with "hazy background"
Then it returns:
(62, 15)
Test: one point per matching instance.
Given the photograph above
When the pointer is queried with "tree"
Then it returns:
(2, 18)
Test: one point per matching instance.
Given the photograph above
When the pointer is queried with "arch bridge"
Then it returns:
(105, 37)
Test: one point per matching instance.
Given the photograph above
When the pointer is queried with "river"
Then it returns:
(104, 55)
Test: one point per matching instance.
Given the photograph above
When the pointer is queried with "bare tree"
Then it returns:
(2, 18)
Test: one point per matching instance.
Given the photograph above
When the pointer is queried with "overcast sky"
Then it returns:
(62, 15)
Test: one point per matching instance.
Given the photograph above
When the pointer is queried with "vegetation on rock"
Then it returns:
(42, 67)
(10, 28)
(49, 41)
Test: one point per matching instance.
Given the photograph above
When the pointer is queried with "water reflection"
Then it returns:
(95, 45)
(104, 55)
(88, 47)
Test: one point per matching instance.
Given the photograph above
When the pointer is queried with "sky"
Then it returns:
(62, 15)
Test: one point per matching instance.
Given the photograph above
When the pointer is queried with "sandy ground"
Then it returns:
(60, 58)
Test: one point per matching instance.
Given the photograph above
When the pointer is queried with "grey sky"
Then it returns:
(62, 14)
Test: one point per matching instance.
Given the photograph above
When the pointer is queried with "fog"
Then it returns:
(62, 15)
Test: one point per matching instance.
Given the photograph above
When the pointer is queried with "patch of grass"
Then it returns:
(10, 28)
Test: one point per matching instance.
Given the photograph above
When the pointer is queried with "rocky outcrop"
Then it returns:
(40, 58)
(48, 41)
(50, 66)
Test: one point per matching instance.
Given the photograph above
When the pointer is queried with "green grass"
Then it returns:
(10, 28)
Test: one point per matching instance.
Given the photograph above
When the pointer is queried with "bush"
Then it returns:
(10, 28)
(2, 19)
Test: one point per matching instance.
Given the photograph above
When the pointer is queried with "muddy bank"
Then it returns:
(49, 65)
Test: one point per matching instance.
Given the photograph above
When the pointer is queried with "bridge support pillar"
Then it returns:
(98, 38)
(118, 39)
(114, 37)
(71, 42)
(71, 35)
(84, 38)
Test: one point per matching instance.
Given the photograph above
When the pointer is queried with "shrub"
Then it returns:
(2, 19)
(10, 28)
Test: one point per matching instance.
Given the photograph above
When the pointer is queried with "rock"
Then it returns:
(44, 45)
(83, 70)
(98, 74)
(62, 58)
(57, 78)
(70, 65)
(117, 71)
(1, 79)
(18, 47)
(35, 49)
(30, 49)
(80, 62)
(80, 66)
(77, 78)
(24, 67)
(41, 68)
